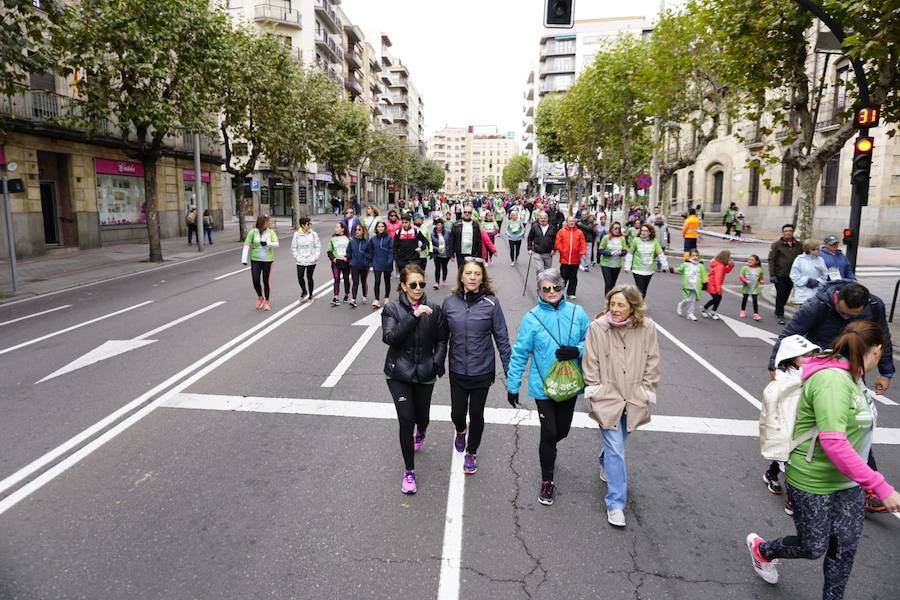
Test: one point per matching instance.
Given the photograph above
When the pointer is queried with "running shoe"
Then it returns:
(873, 504)
(303, 297)
(266, 305)
(353, 303)
(335, 301)
(408, 485)
(460, 442)
(714, 316)
(469, 464)
(616, 517)
(764, 568)
(705, 313)
(572, 297)
(678, 310)
(788, 507)
(418, 440)
(364, 300)
(742, 314)
(436, 286)
(773, 484)
(346, 298)
(781, 320)
(756, 317)
(376, 304)
(512, 264)
(692, 317)
(259, 302)
(545, 496)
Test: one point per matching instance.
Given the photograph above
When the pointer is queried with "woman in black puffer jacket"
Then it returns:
(416, 333)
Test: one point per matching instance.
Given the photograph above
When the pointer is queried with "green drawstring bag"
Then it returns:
(563, 380)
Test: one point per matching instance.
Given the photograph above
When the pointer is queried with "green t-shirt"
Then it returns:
(258, 252)
(831, 401)
(612, 243)
(754, 276)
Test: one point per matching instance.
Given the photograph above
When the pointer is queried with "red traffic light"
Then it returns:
(848, 236)
(864, 145)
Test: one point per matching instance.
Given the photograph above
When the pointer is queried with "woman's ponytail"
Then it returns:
(854, 341)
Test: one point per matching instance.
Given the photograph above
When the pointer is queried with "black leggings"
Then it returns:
(260, 271)
(413, 403)
(556, 419)
(642, 282)
(379, 275)
(755, 302)
(714, 302)
(440, 267)
(515, 246)
(828, 524)
(360, 276)
(340, 270)
(464, 401)
(610, 275)
(569, 274)
(306, 271)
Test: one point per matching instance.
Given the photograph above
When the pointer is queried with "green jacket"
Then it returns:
(258, 252)
(610, 245)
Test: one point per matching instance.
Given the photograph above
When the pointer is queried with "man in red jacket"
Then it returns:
(571, 247)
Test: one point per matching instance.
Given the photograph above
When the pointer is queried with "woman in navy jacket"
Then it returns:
(359, 252)
(382, 261)
(474, 317)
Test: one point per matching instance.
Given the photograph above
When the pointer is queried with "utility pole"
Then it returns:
(198, 194)
(10, 233)
(654, 159)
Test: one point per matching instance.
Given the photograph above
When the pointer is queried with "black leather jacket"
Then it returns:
(417, 347)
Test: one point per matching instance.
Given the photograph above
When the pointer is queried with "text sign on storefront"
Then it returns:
(188, 175)
(106, 166)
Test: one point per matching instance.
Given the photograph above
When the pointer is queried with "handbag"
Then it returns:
(564, 379)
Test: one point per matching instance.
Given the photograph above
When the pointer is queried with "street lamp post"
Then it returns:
(859, 195)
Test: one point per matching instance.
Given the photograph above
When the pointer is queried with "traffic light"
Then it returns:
(559, 14)
(848, 236)
(862, 159)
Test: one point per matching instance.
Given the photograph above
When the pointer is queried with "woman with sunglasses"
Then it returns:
(474, 317)
(552, 330)
(416, 333)
(393, 223)
(612, 248)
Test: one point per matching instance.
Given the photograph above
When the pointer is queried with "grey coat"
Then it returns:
(472, 324)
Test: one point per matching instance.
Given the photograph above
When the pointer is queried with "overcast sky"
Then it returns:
(470, 58)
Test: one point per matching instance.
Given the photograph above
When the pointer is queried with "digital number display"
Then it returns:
(868, 116)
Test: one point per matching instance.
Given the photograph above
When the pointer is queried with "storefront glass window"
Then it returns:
(121, 200)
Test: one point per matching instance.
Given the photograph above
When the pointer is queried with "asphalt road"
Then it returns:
(212, 463)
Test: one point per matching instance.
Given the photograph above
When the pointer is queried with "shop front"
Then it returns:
(121, 201)
(187, 177)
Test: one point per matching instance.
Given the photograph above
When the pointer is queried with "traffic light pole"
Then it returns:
(859, 194)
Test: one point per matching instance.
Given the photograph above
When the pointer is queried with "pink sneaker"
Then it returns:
(764, 568)
(418, 440)
(408, 485)
(259, 302)
(756, 317)
(742, 314)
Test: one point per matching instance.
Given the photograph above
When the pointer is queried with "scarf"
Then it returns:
(607, 318)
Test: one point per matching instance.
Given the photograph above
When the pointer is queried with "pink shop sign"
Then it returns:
(188, 175)
(125, 168)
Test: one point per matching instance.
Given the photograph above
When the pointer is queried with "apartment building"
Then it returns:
(472, 157)
(560, 58)
(407, 107)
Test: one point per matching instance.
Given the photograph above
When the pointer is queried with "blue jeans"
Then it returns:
(612, 454)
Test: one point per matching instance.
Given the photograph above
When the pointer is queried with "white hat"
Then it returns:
(794, 346)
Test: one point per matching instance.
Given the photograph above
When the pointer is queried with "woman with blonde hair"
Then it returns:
(621, 372)
(808, 272)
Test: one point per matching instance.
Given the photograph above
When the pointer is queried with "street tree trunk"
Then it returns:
(295, 199)
(153, 236)
(808, 180)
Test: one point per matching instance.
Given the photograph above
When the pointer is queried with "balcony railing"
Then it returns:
(276, 14)
(399, 99)
(353, 57)
(353, 85)
(325, 41)
(556, 50)
(830, 115)
(330, 18)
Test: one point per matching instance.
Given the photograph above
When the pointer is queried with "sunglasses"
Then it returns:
(551, 288)
(467, 212)
(416, 285)
(474, 259)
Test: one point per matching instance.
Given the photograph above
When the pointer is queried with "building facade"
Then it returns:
(472, 157)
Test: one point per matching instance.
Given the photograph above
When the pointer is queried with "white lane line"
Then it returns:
(73, 327)
(75, 441)
(230, 274)
(451, 555)
(706, 365)
(372, 324)
(10, 322)
(171, 324)
(441, 413)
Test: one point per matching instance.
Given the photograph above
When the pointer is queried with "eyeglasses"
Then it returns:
(551, 288)
(416, 285)
(474, 259)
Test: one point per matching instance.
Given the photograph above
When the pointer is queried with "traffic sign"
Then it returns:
(254, 185)
(644, 181)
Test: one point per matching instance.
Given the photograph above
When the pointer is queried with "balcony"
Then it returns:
(529, 93)
(557, 69)
(398, 115)
(266, 13)
(530, 110)
(329, 46)
(385, 77)
(529, 127)
(400, 99)
(208, 145)
(328, 16)
(399, 82)
(353, 58)
(753, 136)
(557, 50)
(831, 116)
(296, 54)
(352, 85)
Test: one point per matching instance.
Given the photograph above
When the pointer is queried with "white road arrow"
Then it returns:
(116, 347)
(371, 323)
(745, 330)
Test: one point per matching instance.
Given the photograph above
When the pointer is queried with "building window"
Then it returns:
(674, 186)
(754, 186)
(830, 181)
(842, 77)
(787, 185)
(239, 149)
(690, 185)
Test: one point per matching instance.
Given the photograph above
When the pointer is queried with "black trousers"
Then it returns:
(359, 276)
(569, 274)
(515, 246)
(192, 231)
(610, 276)
(783, 287)
(471, 402)
(556, 420)
(306, 272)
(755, 302)
(260, 271)
(413, 404)
(714, 302)
(379, 275)
(440, 268)
(642, 282)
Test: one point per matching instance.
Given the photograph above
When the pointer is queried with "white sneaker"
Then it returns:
(764, 568)
(512, 264)
(679, 310)
(715, 316)
(602, 471)
(616, 517)
(692, 317)
(705, 314)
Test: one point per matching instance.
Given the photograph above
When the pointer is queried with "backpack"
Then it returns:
(777, 418)
(191, 217)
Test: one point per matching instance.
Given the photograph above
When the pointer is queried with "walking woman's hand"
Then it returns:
(892, 502)
(512, 398)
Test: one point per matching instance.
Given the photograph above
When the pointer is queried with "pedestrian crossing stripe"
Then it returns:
(494, 416)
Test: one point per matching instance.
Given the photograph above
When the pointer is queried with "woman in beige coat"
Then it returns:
(621, 372)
